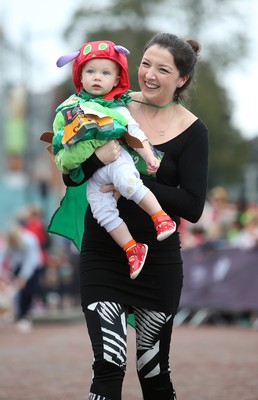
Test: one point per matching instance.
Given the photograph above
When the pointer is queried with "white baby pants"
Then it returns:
(126, 179)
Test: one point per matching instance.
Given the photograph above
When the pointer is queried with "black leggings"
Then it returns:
(107, 327)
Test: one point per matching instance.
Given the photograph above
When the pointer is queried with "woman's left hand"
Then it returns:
(111, 188)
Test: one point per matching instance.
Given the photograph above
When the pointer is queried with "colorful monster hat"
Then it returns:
(99, 49)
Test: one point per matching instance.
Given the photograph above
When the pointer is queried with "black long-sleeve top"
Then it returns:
(180, 187)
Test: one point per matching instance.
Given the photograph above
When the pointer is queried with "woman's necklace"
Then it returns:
(163, 131)
(155, 105)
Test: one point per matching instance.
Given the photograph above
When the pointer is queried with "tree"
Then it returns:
(228, 149)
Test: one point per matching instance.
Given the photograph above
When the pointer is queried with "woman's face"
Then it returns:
(158, 76)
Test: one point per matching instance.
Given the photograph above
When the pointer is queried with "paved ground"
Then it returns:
(53, 362)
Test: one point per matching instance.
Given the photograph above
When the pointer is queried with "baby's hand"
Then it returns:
(152, 164)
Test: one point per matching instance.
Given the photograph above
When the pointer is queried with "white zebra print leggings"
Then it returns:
(107, 327)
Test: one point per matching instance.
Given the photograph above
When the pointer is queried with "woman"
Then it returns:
(108, 295)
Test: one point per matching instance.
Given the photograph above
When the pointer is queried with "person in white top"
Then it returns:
(23, 258)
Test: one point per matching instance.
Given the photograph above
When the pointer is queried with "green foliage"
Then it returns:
(228, 149)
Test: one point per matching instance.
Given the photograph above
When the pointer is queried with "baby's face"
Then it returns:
(99, 76)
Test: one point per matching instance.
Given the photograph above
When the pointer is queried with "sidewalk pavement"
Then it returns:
(53, 361)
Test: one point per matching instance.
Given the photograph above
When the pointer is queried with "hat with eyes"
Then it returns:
(99, 49)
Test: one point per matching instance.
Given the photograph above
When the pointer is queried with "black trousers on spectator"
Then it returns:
(26, 295)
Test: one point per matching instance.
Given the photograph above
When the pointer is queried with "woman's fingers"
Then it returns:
(109, 151)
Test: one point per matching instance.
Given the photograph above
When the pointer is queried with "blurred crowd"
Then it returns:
(223, 223)
(39, 272)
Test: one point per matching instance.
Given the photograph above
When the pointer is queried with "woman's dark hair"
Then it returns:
(184, 52)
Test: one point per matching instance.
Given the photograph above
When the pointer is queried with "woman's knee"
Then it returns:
(107, 381)
(105, 371)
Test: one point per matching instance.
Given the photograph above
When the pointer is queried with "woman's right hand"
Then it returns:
(109, 151)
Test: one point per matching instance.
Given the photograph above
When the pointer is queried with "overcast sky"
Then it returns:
(36, 28)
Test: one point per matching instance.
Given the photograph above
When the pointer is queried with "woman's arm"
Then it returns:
(188, 198)
(89, 166)
(102, 156)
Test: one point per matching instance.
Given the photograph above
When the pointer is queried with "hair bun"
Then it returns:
(195, 45)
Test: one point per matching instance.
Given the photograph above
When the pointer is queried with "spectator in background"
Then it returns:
(23, 258)
(219, 215)
(31, 218)
(247, 237)
(220, 219)
(7, 291)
